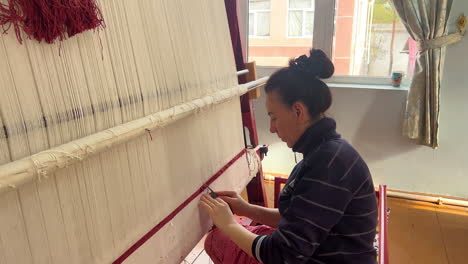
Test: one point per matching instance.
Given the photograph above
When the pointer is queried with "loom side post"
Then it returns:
(251, 76)
(256, 188)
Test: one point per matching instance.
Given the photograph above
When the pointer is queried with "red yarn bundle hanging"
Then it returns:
(50, 20)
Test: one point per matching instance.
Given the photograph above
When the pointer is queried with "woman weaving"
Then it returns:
(327, 209)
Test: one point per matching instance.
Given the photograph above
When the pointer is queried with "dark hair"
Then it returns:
(301, 82)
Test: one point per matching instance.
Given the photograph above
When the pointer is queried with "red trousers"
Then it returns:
(223, 251)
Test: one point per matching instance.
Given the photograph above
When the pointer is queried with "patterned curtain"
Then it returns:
(426, 22)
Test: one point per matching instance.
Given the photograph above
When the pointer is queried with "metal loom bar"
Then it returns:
(44, 163)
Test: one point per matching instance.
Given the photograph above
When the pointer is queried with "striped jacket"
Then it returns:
(328, 206)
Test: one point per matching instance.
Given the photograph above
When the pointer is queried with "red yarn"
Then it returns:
(50, 20)
(9, 16)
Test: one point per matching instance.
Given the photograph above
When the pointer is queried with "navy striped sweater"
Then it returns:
(328, 206)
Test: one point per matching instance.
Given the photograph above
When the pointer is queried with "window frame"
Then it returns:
(324, 22)
(304, 11)
(255, 13)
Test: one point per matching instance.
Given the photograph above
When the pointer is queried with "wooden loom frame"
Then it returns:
(256, 188)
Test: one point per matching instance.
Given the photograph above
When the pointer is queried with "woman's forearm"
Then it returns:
(263, 215)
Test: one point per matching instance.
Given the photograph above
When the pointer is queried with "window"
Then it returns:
(275, 47)
(259, 18)
(301, 18)
(370, 40)
(365, 38)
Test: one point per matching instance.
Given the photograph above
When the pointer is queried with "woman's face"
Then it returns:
(289, 123)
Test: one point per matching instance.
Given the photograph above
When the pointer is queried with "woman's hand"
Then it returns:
(237, 204)
(222, 217)
(218, 210)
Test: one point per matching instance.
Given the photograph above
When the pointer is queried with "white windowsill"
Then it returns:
(368, 86)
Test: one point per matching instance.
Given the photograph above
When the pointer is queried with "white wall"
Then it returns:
(371, 120)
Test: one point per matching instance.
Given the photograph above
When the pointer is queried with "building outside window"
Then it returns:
(259, 18)
(301, 18)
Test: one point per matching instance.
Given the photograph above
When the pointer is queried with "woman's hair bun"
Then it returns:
(317, 65)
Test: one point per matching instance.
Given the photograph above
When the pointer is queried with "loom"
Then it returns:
(108, 138)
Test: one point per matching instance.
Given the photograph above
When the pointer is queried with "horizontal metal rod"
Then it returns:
(44, 163)
(427, 198)
(243, 72)
(260, 83)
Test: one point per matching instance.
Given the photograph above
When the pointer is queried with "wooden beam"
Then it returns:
(252, 76)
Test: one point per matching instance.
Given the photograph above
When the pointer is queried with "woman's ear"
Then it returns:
(299, 109)
(301, 112)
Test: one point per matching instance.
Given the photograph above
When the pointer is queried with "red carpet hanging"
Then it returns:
(49, 20)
